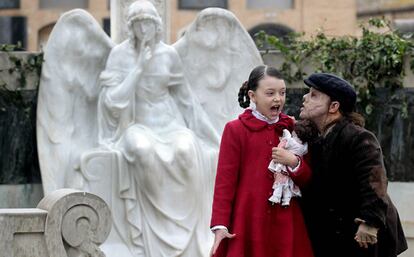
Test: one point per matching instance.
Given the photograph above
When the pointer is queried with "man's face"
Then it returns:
(144, 29)
(315, 106)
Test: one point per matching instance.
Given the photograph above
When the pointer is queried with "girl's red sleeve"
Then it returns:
(303, 174)
(227, 176)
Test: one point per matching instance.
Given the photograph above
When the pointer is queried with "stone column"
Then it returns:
(119, 9)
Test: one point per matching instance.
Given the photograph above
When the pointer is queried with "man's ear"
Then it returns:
(252, 96)
(334, 107)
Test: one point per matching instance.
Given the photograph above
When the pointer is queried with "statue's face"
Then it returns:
(144, 29)
(211, 32)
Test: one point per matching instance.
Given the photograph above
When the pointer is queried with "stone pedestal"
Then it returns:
(66, 223)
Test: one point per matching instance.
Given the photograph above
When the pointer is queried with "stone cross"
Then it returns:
(119, 9)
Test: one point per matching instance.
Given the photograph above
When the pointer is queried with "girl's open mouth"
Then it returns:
(275, 108)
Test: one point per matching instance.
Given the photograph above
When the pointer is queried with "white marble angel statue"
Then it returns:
(123, 122)
(217, 54)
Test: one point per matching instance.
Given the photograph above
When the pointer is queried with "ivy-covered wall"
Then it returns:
(18, 158)
(19, 79)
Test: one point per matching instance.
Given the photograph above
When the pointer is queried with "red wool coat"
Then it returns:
(243, 186)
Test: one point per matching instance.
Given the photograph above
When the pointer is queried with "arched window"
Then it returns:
(43, 35)
(274, 29)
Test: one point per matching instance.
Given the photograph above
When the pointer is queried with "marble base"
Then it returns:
(66, 223)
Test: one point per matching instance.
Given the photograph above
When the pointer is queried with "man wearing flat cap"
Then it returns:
(346, 206)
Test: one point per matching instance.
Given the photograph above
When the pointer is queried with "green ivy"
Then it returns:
(22, 67)
(11, 47)
(376, 59)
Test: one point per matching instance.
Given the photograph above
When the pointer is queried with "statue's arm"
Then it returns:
(117, 95)
(122, 92)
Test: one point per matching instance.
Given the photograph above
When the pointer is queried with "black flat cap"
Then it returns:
(335, 87)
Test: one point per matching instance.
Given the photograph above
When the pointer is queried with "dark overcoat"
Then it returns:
(348, 182)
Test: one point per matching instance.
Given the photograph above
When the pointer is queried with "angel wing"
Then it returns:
(218, 55)
(74, 57)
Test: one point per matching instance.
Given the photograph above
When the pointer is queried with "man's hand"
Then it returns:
(285, 157)
(219, 235)
(366, 235)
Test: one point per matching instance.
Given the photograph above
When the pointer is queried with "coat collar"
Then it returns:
(333, 132)
(254, 124)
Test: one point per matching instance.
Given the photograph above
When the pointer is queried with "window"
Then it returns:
(13, 30)
(107, 26)
(404, 26)
(63, 4)
(44, 34)
(9, 4)
(261, 4)
(201, 4)
(278, 30)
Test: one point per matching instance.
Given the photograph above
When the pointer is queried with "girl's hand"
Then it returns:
(219, 235)
(283, 156)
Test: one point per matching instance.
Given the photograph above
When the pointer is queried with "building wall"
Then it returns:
(40, 18)
(337, 17)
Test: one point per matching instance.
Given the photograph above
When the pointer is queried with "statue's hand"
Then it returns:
(145, 54)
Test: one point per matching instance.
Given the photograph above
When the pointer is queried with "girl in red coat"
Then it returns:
(244, 222)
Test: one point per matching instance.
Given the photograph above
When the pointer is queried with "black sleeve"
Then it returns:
(371, 178)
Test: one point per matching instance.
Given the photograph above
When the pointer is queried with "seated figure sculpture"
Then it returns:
(123, 122)
(149, 118)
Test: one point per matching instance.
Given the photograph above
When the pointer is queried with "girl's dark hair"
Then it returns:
(255, 76)
(306, 130)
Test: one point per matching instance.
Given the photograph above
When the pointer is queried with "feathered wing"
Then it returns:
(218, 55)
(74, 57)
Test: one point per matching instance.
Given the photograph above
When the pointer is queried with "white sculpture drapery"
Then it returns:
(123, 122)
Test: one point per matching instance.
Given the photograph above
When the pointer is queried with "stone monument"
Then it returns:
(125, 122)
(66, 223)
